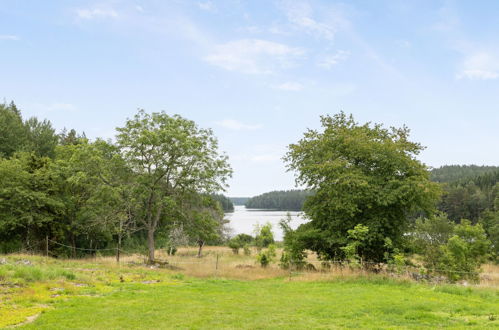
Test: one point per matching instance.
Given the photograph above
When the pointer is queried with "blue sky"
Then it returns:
(261, 72)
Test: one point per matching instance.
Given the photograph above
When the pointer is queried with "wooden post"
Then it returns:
(216, 265)
(47, 246)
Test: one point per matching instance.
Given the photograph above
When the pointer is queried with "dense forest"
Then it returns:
(287, 200)
(454, 173)
(468, 191)
(158, 185)
(225, 202)
(239, 200)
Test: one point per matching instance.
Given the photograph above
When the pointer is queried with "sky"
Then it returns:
(259, 73)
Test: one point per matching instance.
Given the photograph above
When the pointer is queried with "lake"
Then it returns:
(243, 220)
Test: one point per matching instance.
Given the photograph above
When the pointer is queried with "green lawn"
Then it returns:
(278, 303)
(87, 294)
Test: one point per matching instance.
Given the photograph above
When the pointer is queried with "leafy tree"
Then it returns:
(204, 220)
(71, 137)
(490, 223)
(28, 199)
(361, 174)
(264, 235)
(13, 134)
(170, 155)
(41, 137)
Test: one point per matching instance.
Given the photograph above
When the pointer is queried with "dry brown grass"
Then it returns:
(243, 267)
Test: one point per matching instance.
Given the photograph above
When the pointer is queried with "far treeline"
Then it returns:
(287, 200)
(468, 193)
(159, 184)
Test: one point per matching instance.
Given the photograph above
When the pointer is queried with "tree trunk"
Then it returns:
(150, 244)
(73, 244)
(200, 251)
(118, 249)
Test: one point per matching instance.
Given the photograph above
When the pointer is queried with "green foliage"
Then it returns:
(235, 245)
(247, 250)
(293, 255)
(239, 200)
(95, 195)
(13, 134)
(490, 223)
(465, 251)
(362, 174)
(429, 235)
(264, 235)
(41, 137)
(225, 202)
(459, 173)
(171, 156)
(241, 241)
(289, 200)
(356, 239)
(456, 251)
(266, 256)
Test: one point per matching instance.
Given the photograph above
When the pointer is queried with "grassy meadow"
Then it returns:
(195, 293)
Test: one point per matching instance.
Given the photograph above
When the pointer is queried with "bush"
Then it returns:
(235, 245)
(265, 257)
(294, 253)
(464, 252)
(264, 236)
(453, 251)
(247, 250)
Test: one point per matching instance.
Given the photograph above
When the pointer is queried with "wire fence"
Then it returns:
(309, 266)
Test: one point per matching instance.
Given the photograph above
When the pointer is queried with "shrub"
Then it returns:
(264, 236)
(265, 257)
(294, 253)
(247, 250)
(235, 245)
(460, 258)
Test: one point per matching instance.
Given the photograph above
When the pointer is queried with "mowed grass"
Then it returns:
(214, 304)
(101, 295)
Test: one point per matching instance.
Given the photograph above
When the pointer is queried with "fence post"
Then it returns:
(47, 246)
(216, 264)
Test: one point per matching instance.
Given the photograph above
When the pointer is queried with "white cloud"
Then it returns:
(94, 13)
(331, 60)
(206, 5)
(8, 37)
(289, 86)
(481, 65)
(254, 56)
(236, 125)
(301, 15)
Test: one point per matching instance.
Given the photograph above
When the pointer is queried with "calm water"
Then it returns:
(243, 220)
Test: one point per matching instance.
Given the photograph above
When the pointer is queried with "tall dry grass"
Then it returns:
(244, 267)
